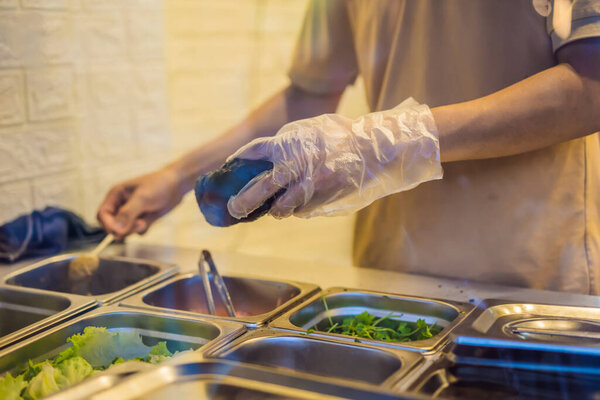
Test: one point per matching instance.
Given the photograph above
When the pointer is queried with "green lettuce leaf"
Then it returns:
(74, 370)
(118, 360)
(11, 388)
(91, 351)
(159, 353)
(100, 347)
(160, 349)
(44, 383)
(32, 370)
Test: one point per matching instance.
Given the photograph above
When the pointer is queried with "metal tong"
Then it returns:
(206, 258)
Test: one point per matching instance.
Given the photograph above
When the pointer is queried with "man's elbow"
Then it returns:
(591, 100)
(584, 57)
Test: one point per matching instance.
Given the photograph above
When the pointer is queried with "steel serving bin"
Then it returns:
(530, 335)
(514, 350)
(180, 333)
(228, 380)
(343, 302)
(349, 364)
(23, 312)
(257, 300)
(534, 323)
(446, 378)
(116, 277)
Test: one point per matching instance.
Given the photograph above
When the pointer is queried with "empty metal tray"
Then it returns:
(343, 303)
(220, 380)
(567, 327)
(256, 301)
(445, 379)
(24, 311)
(325, 358)
(179, 333)
(115, 278)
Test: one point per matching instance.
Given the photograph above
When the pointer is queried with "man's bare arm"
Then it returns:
(290, 104)
(553, 106)
(133, 205)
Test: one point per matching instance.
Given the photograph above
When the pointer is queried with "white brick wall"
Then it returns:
(12, 104)
(37, 151)
(96, 91)
(8, 3)
(50, 93)
(82, 100)
(15, 198)
(49, 39)
(46, 4)
(61, 190)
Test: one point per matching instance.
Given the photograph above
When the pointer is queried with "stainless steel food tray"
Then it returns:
(256, 300)
(345, 302)
(537, 337)
(446, 379)
(115, 278)
(532, 326)
(350, 364)
(229, 380)
(180, 333)
(24, 312)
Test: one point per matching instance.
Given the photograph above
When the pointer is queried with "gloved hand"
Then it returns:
(332, 165)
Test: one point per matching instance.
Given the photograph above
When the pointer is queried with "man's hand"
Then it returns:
(332, 165)
(132, 206)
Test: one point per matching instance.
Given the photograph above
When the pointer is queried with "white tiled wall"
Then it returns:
(95, 91)
(82, 98)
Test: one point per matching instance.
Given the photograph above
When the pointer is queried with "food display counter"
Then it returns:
(303, 330)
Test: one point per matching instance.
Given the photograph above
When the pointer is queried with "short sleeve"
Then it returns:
(585, 23)
(324, 59)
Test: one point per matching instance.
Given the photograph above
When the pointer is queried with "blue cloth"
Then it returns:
(44, 233)
(214, 189)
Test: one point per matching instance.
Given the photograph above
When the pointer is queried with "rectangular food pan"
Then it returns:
(231, 380)
(115, 278)
(320, 357)
(256, 301)
(541, 323)
(336, 304)
(24, 312)
(446, 379)
(523, 335)
(179, 333)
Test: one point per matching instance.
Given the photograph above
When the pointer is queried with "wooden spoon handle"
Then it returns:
(105, 242)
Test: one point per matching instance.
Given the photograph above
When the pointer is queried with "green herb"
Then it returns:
(387, 329)
(327, 309)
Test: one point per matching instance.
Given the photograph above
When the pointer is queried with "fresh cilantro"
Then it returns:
(368, 326)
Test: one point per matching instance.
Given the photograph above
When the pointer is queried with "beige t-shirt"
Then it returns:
(526, 220)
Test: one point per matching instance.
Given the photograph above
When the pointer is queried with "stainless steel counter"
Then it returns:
(273, 351)
(327, 276)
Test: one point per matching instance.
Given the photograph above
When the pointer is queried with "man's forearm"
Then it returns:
(553, 106)
(288, 105)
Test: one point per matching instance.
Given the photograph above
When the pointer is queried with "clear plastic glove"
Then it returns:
(332, 165)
